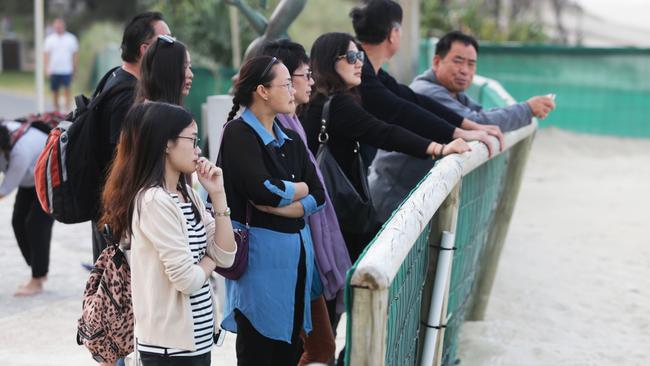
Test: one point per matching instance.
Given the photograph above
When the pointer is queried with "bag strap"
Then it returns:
(249, 206)
(323, 136)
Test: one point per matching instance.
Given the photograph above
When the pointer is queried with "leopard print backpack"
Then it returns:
(106, 324)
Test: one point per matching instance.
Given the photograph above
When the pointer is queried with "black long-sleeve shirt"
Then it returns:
(262, 169)
(395, 103)
(349, 122)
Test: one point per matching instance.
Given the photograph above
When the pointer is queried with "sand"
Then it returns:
(573, 284)
(573, 287)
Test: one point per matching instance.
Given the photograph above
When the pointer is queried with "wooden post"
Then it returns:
(497, 235)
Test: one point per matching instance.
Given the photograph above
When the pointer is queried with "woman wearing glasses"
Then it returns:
(337, 63)
(175, 244)
(267, 172)
(331, 254)
(165, 74)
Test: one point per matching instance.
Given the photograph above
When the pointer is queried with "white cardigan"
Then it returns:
(163, 273)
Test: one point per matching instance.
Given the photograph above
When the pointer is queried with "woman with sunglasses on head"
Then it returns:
(175, 243)
(165, 73)
(269, 175)
(331, 254)
(336, 63)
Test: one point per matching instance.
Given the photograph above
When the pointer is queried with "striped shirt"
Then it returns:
(200, 301)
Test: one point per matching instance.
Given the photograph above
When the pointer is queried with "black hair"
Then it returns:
(140, 161)
(324, 53)
(256, 71)
(5, 139)
(292, 54)
(444, 43)
(373, 22)
(162, 73)
(138, 31)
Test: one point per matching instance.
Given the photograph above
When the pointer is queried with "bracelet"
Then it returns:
(226, 212)
(442, 149)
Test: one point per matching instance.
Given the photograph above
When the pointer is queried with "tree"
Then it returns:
(486, 20)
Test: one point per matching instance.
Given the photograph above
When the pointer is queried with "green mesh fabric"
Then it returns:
(479, 196)
(403, 316)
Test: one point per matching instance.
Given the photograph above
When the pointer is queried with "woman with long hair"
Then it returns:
(331, 254)
(336, 63)
(165, 73)
(273, 188)
(175, 242)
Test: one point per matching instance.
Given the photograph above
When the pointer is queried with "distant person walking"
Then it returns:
(61, 56)
(32, 226)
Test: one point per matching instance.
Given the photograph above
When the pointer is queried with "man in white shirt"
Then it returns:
(61, 50)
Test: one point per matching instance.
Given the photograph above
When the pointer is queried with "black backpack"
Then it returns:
(68, 176)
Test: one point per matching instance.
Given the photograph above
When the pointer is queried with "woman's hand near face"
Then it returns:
(210, 176)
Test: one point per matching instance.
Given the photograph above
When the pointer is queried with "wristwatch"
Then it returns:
(226, 212)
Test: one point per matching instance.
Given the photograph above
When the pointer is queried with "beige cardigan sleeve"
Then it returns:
(224, 259)
(161, 222)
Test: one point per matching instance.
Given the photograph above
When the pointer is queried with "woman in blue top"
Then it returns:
(267, 171)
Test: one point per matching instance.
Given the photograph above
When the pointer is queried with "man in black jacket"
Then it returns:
(139, 33)
(378, 27)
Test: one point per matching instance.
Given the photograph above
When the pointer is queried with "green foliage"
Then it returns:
(204, 26)
(477, 18)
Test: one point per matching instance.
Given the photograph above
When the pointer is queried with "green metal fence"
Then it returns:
(389, 288)
(599, 90)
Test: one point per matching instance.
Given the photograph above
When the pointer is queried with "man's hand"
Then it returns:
(541, 105)
(492, 130)
(475, 135)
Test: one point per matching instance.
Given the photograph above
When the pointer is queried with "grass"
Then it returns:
(18, 81)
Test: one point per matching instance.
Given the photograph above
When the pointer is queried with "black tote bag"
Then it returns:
(354, 209)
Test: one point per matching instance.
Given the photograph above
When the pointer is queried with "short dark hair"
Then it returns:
(162, 74)
(5, 139)
(292, 54)
(373, 22)
(324, 53)
(137, 32)
(444, 43)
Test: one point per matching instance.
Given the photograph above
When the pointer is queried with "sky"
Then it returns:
(630, 12)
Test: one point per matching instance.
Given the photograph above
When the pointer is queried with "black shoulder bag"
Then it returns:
(354, 209)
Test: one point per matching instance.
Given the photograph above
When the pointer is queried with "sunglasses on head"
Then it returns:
(352, 56)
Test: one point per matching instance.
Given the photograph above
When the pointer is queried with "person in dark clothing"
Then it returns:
(377, 27)
(32, 226)
(141, 31)
(267, 172)
(336, 63)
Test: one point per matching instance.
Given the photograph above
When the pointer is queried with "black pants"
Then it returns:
(33, 230)
(254, 349)
(152, 359)
(99, 243)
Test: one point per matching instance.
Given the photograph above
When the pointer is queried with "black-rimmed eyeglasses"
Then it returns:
(195, 140)
(352, 56)
(307, 75)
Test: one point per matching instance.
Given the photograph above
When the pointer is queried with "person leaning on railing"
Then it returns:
(378, 28)
(336, 63)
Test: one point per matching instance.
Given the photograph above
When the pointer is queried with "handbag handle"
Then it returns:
(323, 136)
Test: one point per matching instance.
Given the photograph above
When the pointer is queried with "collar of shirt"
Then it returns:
(249, 117)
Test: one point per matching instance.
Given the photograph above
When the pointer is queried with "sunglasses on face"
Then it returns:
(195, 140)
(352, 56)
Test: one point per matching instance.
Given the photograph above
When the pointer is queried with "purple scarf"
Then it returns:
(332, 256)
